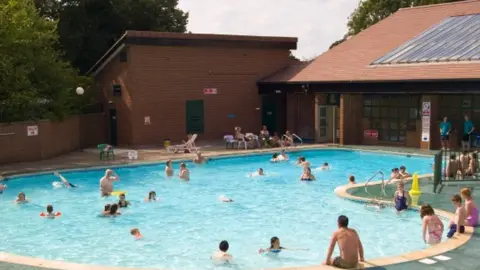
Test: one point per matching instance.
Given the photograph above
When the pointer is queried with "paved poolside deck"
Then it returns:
(463, 257)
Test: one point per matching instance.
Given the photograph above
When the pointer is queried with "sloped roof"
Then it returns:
(352, 60)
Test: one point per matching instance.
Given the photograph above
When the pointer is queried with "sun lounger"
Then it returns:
(189, 146)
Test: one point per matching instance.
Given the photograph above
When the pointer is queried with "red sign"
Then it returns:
(370, 133)
(210, 91)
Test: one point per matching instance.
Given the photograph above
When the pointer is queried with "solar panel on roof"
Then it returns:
(453, 39)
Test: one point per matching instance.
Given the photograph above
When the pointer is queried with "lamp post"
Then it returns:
(80, 92)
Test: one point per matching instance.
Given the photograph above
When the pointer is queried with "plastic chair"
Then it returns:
(106, 149)
(229, 141)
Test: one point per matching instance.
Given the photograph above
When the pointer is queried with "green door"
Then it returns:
(269, 113)
(195, 117)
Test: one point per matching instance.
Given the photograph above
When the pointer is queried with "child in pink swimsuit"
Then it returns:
(432, 226)
(470, 207)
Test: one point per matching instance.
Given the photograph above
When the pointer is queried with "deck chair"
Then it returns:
(104, 151)
(229, 141)
(188, 146)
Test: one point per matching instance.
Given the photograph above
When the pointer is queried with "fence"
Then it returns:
(31, 141)
(449, 168)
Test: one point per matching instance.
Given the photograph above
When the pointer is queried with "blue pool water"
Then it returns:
(182, 230)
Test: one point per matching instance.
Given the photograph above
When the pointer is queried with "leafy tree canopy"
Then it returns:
(88, 28)
(34, 81)
(369, 12)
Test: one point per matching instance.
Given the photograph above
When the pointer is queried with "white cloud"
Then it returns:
(316, 23)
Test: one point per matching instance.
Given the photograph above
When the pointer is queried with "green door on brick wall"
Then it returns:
(269, 113)
(195, 117)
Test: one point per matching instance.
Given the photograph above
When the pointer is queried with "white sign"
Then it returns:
(425, 128)
(426, 108)
(147, 120)
(32, 130)
(425, 136)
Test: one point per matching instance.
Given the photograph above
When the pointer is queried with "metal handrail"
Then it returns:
(293, 135)
(383, 182)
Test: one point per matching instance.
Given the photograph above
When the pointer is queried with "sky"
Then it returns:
(316, 23)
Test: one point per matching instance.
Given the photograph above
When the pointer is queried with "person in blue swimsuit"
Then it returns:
(275, 247)
(468, 129)
(401, 197)
(445, 129)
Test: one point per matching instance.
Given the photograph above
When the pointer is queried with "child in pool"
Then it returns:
(325, 167)
(283, 156)
(351, 180)
(136, 233)
(401, 197)
(403, 172)
(457, 225)
(113, 211)
(471, 208)
(106, 209)
(50, 213)
(152, 196)
(21, 198)
(275, 247)
(432, 226)
(224, 198)
(122, 202)
(307, 175)
(257, 173)
(222, 255)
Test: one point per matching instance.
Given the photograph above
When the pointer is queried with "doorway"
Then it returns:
(325, 124)
(269, 113)
(195, 122)
(113, 126)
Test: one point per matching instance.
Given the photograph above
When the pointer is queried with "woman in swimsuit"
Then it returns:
(471, 208)
(275, 247)
(307, 175)
(151, 196)
(122, 202)
(432, 226)
(401, 198)
(168, 168)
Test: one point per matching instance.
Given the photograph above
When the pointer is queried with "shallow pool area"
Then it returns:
(184, 228)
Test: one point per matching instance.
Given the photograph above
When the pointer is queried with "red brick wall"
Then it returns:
(164, 78)
(54, 138)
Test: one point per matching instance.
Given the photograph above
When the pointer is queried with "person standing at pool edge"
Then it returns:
(468, 129)
(445, 129)
(106, 182)
(351, 248)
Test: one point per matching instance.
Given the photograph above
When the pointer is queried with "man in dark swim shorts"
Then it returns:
(445, 128)
(468, 129)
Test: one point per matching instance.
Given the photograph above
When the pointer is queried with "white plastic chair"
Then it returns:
(189, 145)
(229, 140)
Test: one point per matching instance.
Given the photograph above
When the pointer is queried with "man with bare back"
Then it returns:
(351, 249)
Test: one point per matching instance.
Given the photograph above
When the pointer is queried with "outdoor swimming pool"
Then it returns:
(182, 230)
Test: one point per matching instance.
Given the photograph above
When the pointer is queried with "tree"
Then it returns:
(88, 28)
(369, 12)
(34, 81)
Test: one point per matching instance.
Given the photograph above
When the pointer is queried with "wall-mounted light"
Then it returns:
(278, 91)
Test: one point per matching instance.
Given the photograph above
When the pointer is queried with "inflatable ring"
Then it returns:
(57, 214)
(118, 193)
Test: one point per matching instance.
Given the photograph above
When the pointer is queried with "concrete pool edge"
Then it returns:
(65, 265)
(443, 247)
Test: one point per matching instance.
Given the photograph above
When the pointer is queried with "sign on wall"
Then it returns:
(32, 130)
(210, 91)
(426, 112)
(370, 133)
(147, 120)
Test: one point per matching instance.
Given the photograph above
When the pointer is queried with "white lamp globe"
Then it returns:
(79, 91)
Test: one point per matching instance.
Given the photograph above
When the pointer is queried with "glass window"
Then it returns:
(413, 113)
(375, 112)
(367, 112)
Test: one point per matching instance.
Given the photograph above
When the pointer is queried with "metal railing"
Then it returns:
(451, 167)
(294, 136)
(382, 187)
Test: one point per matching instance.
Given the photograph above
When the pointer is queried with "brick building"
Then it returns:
(164, 85)
(392, 83)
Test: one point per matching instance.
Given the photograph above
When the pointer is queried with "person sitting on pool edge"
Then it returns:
(151, 196)
(457, 224)
(471, 208)
(307, 175)
(184, 173)
(222, 255)
(403, 172)
(351, 248)
(122, 202)
(168, 168)
(199, 159)
(395, 175)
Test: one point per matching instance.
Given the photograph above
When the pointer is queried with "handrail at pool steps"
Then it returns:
(440, 176)
(294, 136)
(383, 193)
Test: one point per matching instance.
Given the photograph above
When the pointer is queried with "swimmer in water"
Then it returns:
(168, 168)
(274, 158)
(106, 182)
(113, 211)
(21, 198)
(64, 181)
(136, 233)
(224, 198)
(106, 209)
(50, 213)
(122, 202)
(199, 159)
(283, 156)
(259, 172)
(325, 167)
(307, 175)
(184, 173)
(351, 180)
(275, 247)
(152, 196)
(302, 161)
(221, 254)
